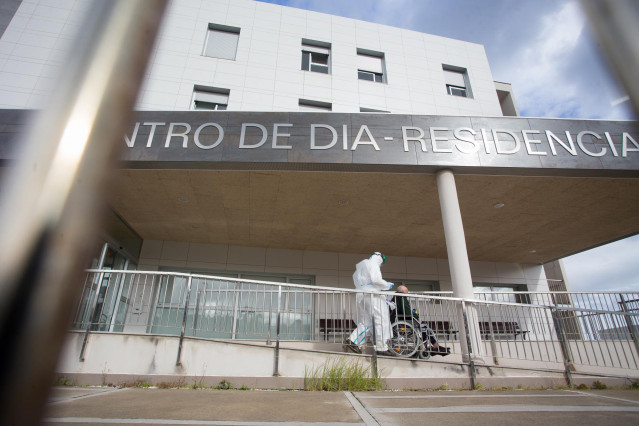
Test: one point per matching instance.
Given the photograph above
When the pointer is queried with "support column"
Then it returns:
(458, 258)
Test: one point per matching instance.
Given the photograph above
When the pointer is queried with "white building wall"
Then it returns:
(329, 269)
(266, 74)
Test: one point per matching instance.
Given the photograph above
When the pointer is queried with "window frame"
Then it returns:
(314, 106)
(203, 91)
(454, 88)
(451, 91)
(515, 289)
(376, 76)
(213, 29)
(372, 110)
(313, 50)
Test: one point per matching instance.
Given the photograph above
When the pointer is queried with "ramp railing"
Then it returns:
(594, 332)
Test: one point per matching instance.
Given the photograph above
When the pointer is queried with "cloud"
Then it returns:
(543, 47)
(609, 267)
(560, 74)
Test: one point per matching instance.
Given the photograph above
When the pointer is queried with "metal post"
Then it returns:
(276, 360)
(374, 358)
(184, 318)
(471, 362)
(95, 303)
(632, 328)
(197, 312)
(493, 344)
(565, 350)
(270, 314)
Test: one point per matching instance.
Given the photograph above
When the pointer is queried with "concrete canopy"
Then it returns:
(356, 183)
(542, 218)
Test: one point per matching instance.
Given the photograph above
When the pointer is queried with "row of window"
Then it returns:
(217, 99)
(221, 42)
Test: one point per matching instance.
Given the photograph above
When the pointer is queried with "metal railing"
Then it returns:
(507, 327)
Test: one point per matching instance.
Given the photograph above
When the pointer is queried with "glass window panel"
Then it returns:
(363, 75)
(208, 106)
(312, 107)
(319, 58)
(457, 91)
(319, 68)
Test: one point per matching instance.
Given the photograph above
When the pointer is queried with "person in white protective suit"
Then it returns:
(372, 306)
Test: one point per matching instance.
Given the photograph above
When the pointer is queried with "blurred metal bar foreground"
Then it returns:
(614, 23)
(51, 206)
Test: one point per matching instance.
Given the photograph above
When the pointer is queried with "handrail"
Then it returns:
(417, 295)
(154, 302)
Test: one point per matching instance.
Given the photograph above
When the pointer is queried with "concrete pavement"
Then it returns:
(90, 406)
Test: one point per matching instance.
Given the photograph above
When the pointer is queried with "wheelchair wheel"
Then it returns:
(424, 351)
(405, 339)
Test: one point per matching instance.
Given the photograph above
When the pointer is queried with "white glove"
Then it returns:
(391, 305)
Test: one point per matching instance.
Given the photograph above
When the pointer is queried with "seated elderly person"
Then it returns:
(403, 312)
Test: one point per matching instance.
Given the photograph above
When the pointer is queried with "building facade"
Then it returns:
(277, 144)
(252, 56)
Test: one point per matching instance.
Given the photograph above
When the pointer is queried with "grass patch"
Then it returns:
(342, 374)
(63, 381)
(224, 385)
(599, 385)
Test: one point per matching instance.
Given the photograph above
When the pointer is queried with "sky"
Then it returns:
(544, 48)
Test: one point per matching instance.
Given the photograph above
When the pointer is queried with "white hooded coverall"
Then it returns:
(372, 307)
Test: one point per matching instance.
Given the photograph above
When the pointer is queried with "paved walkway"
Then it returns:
(90, 406)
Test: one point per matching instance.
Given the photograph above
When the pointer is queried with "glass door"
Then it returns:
(109, 291)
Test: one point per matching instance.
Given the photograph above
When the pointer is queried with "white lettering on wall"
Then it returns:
(184, 135)
(243, 143)
(613, 149)
(358, 139)
(196, 136)
(624, 147)
(570, 146)
(528, 142)
(277, 134)
(469, 139)
(443, 140)
(498, 145)
(584, 149)
(434, 139)
(323, 126)
(419, 137)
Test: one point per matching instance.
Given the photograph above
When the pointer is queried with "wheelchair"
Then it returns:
(406, 340)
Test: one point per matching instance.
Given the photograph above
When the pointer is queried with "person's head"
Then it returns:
(381, 258)
(402, 289)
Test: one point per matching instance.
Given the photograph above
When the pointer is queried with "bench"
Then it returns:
(335, 326)
(501, 328)
(442, 327)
